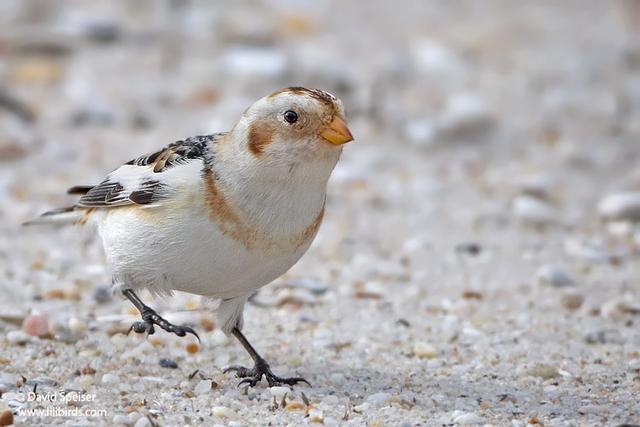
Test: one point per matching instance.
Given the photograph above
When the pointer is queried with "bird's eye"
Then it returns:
(290, 116)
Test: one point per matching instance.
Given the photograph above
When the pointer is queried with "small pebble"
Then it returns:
(55, 294)
(470, 248)
(218, 338)
(142, 422)
(17, 337)
(168, 363)
(77, 326)
(203, 387)
(532, 210)
(316, 416)
(461, 417)
(36, 324)
(223, 412)
(102, 294)
(192, 347)
(110, 379)
(554, 276)
(543, 371)
(378, 398)
(207, 324)
(6, 418)
(424, 350)
(612, 310)
(279, 391)
(538, 186)
(63, 334)
(604, 336)
(620, 207)
(572, 301)
(295, 406)
(120, 419)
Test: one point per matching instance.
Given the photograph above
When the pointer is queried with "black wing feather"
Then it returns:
(177, 153)
(111, 193)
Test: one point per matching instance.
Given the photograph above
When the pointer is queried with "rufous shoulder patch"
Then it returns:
(312, 229)
(224, 215)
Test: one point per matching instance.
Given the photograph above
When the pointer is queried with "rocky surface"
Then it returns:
(478, 264)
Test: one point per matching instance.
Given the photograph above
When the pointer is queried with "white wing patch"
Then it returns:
(124, 186)
(148, 179)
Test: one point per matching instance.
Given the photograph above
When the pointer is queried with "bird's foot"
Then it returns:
(150, 318)
(261, 368)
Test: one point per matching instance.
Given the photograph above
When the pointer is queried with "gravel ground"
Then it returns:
(478, 263)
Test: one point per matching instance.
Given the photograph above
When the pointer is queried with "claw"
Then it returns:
(150, 318)
(261, 368)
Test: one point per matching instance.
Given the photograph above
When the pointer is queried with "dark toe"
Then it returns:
(294, 381)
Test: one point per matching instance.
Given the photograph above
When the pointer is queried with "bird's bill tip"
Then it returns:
(337, 132)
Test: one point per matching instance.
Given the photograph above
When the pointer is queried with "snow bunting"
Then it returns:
(219, 215)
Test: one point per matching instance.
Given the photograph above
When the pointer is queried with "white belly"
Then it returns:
(162, 250)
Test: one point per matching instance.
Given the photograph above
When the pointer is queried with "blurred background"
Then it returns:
(492, 192)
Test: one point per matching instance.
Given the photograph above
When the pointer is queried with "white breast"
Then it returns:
(176, 245)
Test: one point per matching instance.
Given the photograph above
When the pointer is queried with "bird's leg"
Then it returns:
(260, 367)
(150, 318)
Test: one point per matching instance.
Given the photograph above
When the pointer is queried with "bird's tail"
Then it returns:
(62, 216)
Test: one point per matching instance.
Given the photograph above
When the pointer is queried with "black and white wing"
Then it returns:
(146, 180)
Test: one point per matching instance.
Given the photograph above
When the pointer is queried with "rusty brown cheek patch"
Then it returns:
(259, 137)
(225, 216)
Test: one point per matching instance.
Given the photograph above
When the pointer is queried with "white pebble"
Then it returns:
(219, 338)
(77, 326)
(461, 417)
(378, 398)
(223, 412)
(142, 422)
(278, 391)
(424, 350)
(620, 206)
(203, 387)
(532, 210)
(17, 337)
(110, 379)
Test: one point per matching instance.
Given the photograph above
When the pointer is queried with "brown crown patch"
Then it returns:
(260, 135)
(317, 94)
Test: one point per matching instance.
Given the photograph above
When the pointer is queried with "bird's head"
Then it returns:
(295, 126)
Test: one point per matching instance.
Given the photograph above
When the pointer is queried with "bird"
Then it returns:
(218, 215)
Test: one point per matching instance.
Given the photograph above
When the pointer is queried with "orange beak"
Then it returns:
(337, 132)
